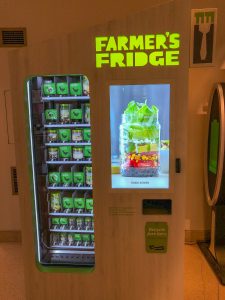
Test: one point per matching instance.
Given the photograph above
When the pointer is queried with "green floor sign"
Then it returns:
(156, 237)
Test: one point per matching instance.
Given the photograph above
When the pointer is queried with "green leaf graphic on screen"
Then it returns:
(214, 142)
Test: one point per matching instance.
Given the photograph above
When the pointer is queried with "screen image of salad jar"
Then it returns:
(140, 141)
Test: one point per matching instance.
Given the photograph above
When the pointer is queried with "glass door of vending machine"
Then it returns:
(61, 169)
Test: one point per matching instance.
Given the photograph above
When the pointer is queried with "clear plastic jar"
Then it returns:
(140, 145)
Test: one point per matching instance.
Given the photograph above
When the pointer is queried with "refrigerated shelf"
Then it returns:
(66, 188)
(48, 252)
(75, 248)
(51, 214)
(72, 230)
(67, 125)
(68, 162)
(68, 144)
(67, 98)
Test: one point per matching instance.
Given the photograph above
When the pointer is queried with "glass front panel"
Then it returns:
(60, 136)
(140, 135)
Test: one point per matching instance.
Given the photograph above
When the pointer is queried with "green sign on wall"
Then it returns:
(214, 143)
(156, 237)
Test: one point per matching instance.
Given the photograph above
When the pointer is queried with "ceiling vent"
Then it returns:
(13, 37)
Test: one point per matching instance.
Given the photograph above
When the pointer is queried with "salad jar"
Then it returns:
(140, 141)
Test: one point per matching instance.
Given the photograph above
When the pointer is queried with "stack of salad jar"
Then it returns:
(140, 141)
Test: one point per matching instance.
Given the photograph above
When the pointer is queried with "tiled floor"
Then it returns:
(11, 272)
(200, 282)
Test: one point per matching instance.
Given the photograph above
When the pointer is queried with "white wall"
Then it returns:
(45, 20)
(48, 19)
(201, 82)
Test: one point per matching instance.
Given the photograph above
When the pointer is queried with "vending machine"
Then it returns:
(214, 179)
(61, 169)
(101, 135)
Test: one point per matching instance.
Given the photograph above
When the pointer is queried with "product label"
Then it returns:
(55, 202)
(78, 177)
(63, 221)
(77, 135)
(76, 114)
(89, 204)
(87, 134)
(76, 89)
(67, 202)
(62, 88)
(78, 153)
(65, 151)
(51, 114)
(87, 113)
(88, 175)
(52, 136)
(64, 135)
(54, 178)
(79, 203)
(85, 237)
(49, 89)
(77, 237)
(87, 151)
(66, 178)
(55, 221)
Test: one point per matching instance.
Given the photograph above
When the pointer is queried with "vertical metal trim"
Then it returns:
(33, 171)
(212, 201)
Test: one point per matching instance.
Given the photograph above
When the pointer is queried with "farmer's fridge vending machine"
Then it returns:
(61, 165)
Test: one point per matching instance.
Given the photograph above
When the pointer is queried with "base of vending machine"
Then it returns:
(70, 257)
(214, 250)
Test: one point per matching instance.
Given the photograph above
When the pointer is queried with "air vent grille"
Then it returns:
(14, 180)
(13, 37)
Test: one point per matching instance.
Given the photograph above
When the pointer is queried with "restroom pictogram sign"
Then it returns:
(203, 36)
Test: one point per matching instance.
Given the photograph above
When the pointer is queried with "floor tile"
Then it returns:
(11, 272)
